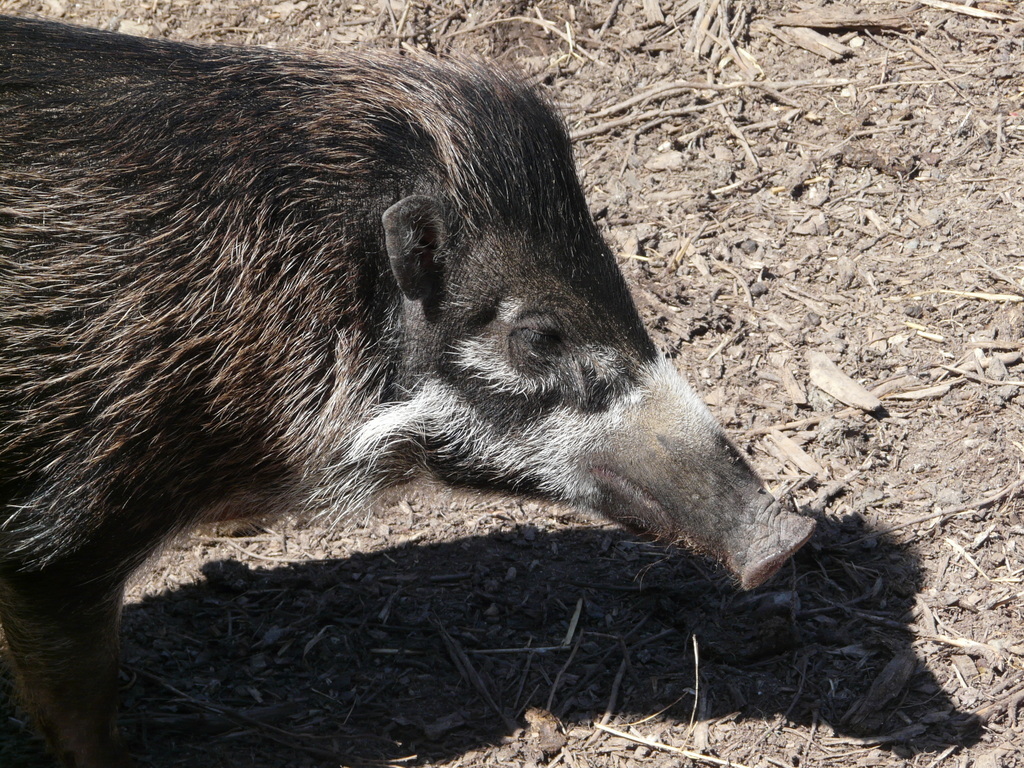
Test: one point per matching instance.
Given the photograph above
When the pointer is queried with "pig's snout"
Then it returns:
(672, 473)
(718, 507)
(762, 546)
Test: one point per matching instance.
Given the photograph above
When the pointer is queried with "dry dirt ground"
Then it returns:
(779, 181)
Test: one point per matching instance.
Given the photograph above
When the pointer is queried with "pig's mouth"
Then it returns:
(635, 508)
(766, 535)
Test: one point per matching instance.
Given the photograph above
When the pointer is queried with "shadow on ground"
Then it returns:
(422, 650)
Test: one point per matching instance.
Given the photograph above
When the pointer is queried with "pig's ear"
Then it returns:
(414, 235)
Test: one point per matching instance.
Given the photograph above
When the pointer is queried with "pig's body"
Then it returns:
(237, 282)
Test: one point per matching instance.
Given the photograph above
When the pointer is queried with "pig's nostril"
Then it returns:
(767, 502)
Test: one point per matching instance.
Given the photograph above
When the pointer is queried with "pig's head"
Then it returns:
(525, 365)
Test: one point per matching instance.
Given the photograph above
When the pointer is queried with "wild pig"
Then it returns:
(240, 281)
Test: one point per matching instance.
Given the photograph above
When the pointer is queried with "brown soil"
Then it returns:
(868, 207)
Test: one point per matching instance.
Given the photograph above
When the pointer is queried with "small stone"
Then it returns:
(666, 161)
(127, 27)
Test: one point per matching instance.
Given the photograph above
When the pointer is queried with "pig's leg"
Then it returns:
(61, 626)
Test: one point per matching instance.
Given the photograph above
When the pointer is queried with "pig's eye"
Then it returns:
(540, 341)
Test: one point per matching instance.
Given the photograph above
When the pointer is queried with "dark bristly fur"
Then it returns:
(202, 196)
(236, 282)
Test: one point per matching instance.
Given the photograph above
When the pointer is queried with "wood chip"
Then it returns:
(652, 9)
(812, 41)
(965, 665)
(922, 393)
(814, 224)
(900, 384)
(842, 17)
(788, 450)
(887, 686)
(827, 377)
(796, 392)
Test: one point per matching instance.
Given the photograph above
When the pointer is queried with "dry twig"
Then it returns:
(668, 747)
